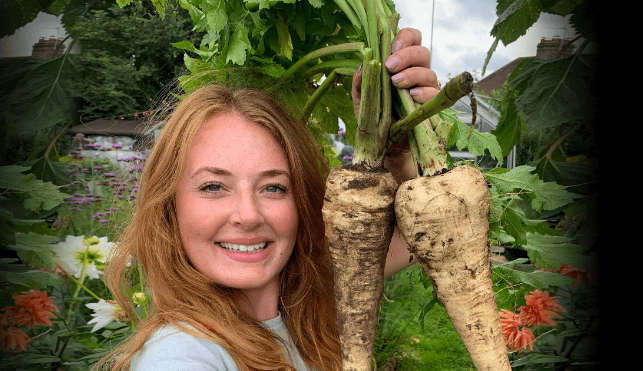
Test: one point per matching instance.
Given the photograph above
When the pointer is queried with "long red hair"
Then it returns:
(181, 294)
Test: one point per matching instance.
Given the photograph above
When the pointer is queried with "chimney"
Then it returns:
(551, 48)
(47, 49)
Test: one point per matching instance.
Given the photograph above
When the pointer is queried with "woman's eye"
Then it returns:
(211, 187)
(275, 188)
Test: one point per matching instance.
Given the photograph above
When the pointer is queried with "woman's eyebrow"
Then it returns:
(219, 171)
(274, 173)
(213, 170)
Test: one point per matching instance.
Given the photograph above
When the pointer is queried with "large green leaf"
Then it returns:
(552, 251)
(555, 92)
(37, 195)
(514, 18)
(35, 249)
(510, 126)
(538, 279)
(31, 278)
(39, 98)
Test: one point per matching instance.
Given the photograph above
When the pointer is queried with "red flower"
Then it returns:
(516, 338)
(32, 308)
(13, 338)
(540, 308)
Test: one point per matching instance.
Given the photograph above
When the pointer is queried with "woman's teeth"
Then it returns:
(243, 248)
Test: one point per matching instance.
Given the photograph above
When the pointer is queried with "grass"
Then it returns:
(414, 331)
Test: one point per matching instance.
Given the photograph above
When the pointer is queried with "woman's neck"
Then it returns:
(261, 303)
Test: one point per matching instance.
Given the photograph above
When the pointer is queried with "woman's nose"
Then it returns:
(247, 212)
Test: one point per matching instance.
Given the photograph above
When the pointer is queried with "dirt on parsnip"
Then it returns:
(359, 217)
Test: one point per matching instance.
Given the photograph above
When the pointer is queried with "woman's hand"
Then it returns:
(409, 67)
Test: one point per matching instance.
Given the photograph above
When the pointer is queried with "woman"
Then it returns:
(230, 235)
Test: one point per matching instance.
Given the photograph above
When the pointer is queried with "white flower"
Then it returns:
(73, 251)
(104, 313)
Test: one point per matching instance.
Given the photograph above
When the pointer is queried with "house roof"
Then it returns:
(132, 128)
(495, 80)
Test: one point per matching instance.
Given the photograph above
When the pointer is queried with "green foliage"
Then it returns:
(124, 55)
(15, 14)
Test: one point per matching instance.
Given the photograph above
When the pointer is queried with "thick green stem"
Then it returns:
(357, 47)
(455, 89)
(387, 99)
(316, 96)
(331, 65)
(367, 139)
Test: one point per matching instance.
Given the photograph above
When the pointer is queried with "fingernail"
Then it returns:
(396, 46)
(392, 62)
(359, 69)
(398, 77)
(415, 91)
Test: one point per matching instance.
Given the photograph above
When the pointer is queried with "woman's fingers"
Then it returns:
(412, 56)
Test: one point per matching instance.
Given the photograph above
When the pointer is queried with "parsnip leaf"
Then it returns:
(544, 196)
(476, 142)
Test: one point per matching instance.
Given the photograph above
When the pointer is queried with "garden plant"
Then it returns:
(61, 214)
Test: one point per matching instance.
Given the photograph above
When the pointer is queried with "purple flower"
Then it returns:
(109, 175)
(103, 221)
(106, 149)
(136, 168)
(346, 158)
(117, 145)
(85, 170)
(92, 145)
(97, 216)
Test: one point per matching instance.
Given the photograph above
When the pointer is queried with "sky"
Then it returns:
(461, 34)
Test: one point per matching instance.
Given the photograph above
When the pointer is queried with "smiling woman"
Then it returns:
(231, 171)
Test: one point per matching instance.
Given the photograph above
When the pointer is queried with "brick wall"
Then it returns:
(46, 49)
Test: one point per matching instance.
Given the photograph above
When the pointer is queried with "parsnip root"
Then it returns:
(359, 216)
(444, 219)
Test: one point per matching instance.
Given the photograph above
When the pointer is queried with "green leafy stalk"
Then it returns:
(358, 7)
(343, 5)
(372, 30)
(321, 90)
(455, 89)
(357, 47)
(387, 102)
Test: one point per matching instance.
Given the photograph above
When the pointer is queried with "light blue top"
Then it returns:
(170, 349)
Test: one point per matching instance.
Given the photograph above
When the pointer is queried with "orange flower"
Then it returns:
(576, 273)
(540, 308)
(516, 339)
(32, 308)
(13, 338)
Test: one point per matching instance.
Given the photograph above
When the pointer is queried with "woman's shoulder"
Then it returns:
(170, 348)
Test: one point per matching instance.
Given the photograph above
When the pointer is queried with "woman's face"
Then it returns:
(235, 204)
